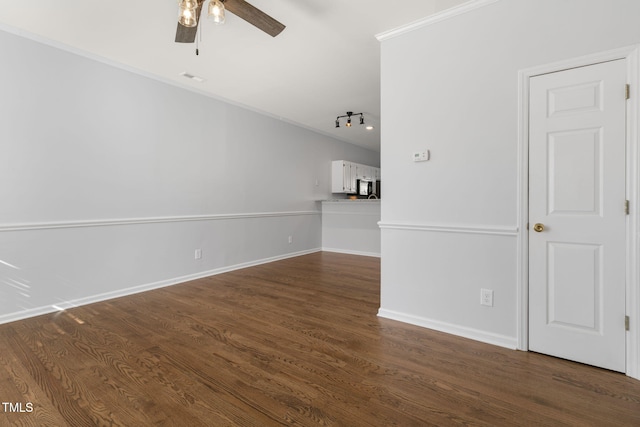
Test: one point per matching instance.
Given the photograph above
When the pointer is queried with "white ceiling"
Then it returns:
(325, 63)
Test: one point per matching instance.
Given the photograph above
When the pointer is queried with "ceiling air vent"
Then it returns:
(192, 77)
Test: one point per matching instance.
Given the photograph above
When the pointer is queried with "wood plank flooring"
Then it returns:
(292, 342)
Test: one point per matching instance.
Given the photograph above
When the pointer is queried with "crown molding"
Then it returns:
(432, 19)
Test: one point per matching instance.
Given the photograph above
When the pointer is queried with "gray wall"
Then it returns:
(351, 227)
(450, 225)
(110, 180)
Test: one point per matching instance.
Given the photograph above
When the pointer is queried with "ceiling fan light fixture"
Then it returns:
(188, 18)
(188, 13)
(216, 11)
(188, 4)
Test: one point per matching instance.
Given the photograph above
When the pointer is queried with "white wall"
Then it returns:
(450, 224)
(110, 180)
(351, 226)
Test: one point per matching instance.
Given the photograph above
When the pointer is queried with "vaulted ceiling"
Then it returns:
(325, 63)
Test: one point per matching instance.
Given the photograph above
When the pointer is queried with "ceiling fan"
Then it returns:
(189, 20)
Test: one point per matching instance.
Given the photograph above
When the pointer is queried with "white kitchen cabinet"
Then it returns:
(345, 176)
(365, 172)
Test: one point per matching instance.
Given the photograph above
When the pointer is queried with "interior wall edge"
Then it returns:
(449, 328)
(351, 252)
(115, 64)
(58, 306)
(439, 276)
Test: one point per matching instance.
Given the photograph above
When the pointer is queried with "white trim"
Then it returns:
(471, 333)
(360, 214)
(581, 61)
(59, 306)
(148, 220)
(631, 55)
(448, 228)
(522, 262)
(432, 19)
(350, 252)
(633, 195)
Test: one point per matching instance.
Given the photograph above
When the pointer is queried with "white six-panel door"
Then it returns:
(577, 221)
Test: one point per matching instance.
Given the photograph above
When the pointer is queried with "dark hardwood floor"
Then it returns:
(292, 342)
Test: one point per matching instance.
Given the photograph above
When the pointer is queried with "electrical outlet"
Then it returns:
(486, 297)
(421, 156)
(198, 254)
(290, 239)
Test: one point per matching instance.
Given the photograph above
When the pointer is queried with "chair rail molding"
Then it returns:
(147, 220)
(451, 228)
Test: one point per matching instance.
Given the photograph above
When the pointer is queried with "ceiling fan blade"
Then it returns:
(254, 16)
(188, 34)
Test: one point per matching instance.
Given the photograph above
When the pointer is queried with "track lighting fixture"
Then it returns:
(348, 116)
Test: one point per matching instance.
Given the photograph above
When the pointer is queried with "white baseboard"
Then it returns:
(350, 252)
(65, 305)
(474, 334)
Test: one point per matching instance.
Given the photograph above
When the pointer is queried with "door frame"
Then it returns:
(631, 56)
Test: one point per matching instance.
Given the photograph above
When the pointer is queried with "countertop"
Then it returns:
(351, 201)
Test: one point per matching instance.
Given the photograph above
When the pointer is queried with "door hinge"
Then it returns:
(626, 207)
(628, 91)
(626, 323)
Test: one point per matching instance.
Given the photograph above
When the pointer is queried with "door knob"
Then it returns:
(538, 227)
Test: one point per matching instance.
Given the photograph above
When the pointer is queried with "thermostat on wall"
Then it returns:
(421, 156)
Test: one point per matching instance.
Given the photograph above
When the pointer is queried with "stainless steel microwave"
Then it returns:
(365, 187)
